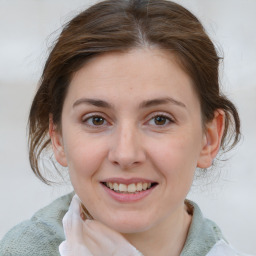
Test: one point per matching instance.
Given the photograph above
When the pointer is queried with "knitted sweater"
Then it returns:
(39, 236)
(43, 233)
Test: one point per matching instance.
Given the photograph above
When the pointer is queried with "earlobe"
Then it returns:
(212, 139)
(57, 144)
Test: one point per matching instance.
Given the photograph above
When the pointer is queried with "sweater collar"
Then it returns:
(203, 233)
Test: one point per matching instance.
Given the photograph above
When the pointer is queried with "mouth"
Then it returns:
(132, 188)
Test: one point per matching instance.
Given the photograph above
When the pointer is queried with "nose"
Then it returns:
(126, 149)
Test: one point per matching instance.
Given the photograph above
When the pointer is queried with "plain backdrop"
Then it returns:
(27, 28)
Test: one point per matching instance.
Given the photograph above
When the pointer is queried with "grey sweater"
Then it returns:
(43, 233)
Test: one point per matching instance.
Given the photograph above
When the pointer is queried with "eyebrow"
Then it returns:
(160, 101)
(94, 102)
(144, 104)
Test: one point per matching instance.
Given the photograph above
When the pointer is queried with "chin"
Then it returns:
(130, 229)
(129, 225)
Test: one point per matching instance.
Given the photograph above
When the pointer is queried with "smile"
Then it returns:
(129, 188)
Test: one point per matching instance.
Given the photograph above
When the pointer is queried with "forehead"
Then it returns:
(139, 73)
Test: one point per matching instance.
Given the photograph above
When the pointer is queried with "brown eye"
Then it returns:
(160, 120)
(97, 120)
(94, 121)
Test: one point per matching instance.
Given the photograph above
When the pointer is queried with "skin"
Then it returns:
(128, 142)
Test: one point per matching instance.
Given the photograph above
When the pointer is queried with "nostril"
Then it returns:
(126, 165)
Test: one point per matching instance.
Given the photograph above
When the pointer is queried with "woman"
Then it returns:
(129, 101)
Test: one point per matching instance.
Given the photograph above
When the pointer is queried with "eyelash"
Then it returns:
(86, 121)
(161, 115)
(167, 118)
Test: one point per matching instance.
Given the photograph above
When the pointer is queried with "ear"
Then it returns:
(57, 144)
(212, 139)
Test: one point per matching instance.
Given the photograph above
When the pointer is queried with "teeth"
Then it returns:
(115, 186)
(139, 186)
(131, 188)
(111, 185)
(122, 188)
(144, 186)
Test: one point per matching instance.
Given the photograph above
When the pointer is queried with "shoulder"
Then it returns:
(41, 235)
(221, 248)
(205, 237)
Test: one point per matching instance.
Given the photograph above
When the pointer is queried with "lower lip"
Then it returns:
(125, 197)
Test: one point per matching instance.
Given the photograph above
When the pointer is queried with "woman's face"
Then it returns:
(132, 138)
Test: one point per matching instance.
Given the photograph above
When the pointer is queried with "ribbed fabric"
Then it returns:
(203, 234)
(39, 236)
(43, 233)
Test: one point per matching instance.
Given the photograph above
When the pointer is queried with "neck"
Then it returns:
(165, 238)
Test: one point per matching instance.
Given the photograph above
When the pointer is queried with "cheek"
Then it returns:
(176, 158)
(85, 156)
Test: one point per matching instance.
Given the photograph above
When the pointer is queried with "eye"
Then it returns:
(160, 120)
(95, 121)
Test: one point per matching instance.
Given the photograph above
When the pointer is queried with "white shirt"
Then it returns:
(221, 248)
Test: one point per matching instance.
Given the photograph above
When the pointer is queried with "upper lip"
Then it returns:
(127, 181)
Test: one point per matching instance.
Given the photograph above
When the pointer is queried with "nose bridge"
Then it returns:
(126, 149)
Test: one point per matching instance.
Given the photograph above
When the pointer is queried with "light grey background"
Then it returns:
(25, 34)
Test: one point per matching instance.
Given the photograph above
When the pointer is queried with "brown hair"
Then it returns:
(120, 25)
